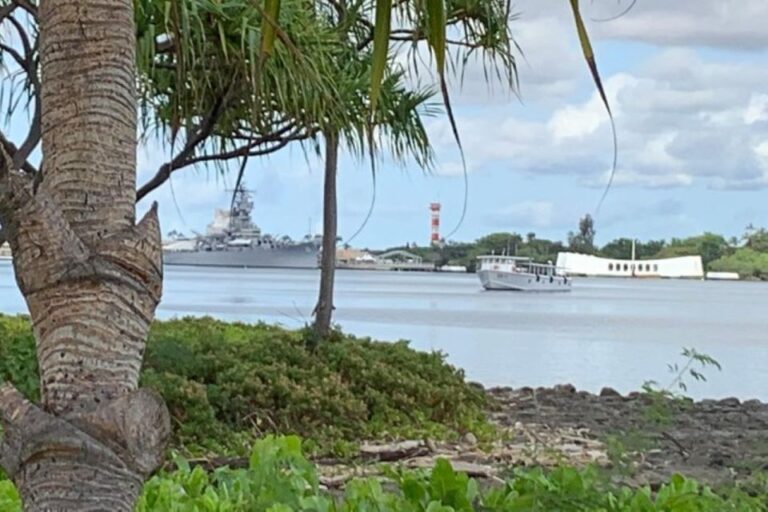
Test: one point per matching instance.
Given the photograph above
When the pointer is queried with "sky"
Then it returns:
(688, 84)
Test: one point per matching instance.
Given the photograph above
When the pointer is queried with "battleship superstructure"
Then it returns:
(233, 240)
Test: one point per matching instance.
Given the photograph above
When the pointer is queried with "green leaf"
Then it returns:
(589, 55)
(436, 36)
(443, 479)
(268, 26)
(380, 49)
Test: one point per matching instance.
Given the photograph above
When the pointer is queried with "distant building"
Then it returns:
(392, 260)
(399, 257)
(575, 264)
(347, 256)
(5, 252)
(723, 276)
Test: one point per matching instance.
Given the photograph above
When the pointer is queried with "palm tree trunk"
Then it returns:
(324, 308)
(91, 277)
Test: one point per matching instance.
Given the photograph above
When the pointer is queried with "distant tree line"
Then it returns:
(747, 255)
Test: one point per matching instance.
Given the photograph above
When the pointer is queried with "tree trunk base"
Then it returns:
(83, 462)
(75, 483)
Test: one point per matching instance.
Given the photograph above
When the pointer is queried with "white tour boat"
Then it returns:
(520, 274)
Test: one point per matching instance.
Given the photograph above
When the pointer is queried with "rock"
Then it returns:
(469, 439)
(609, 393)
(710, 439)
(565, 388)
(472, 469)
(394, 451)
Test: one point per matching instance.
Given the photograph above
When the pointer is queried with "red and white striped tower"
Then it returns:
(434, 209)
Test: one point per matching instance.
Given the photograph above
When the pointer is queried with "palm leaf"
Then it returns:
(436, 23)
(268, 32)
(589, 55)
(380, 48)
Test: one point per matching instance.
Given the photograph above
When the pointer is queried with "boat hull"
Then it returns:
(299, 256)
(523, 282)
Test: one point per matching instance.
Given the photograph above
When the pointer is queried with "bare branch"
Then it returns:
(7, 10)
(27, 6)
(251, 149)
(29, 64)
(21, 61)
(16, 413)
(14, 407)
(11, 149)
(204, 130)
(33, 138)
(23, 36)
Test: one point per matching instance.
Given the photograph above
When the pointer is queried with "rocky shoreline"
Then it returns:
(636, 439)
(647, 439)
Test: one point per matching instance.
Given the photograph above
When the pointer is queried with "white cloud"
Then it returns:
(757, 110)
(629, 177)
(581, 120)
(527, 214)
(681, 119)
(451, 169)
(731, 24)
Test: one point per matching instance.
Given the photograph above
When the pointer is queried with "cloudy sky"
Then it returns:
(688, 82)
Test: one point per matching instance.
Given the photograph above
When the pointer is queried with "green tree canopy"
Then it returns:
(709, 245)
(746, 262)
(584, 240)
(757, 239)
(621, 248)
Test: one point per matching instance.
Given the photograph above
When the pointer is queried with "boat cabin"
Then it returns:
(519, 264)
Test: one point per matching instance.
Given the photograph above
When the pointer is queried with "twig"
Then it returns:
(677, 443)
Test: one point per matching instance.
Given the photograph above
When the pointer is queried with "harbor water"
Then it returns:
(605, 332)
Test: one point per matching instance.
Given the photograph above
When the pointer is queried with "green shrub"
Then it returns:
(747, 262)
(227, 383)
(280, 479)
(18, 360)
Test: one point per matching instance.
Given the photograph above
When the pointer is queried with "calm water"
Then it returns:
(605, 332)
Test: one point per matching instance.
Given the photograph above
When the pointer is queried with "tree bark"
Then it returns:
(324, 308)
(91, 277)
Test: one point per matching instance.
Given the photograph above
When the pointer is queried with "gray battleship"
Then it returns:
(233, 240)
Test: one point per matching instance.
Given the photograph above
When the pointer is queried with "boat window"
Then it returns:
(648, 267)
(626, 267)
(610, 267)
(655, 268)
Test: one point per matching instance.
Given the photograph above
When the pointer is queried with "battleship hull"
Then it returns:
(298, 256)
